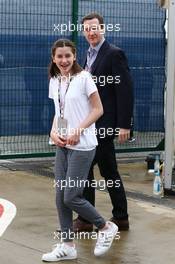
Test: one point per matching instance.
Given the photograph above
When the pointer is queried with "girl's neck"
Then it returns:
(65, 78)
(68, 75)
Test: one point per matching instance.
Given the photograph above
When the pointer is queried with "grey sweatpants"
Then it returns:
(71, 170)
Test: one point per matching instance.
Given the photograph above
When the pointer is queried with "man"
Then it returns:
(107, 62)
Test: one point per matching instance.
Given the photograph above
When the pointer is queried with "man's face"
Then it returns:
(93, 31)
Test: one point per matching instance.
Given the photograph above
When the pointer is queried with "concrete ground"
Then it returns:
(150, 240)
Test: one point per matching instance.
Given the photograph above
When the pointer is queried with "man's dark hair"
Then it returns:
(94, 15)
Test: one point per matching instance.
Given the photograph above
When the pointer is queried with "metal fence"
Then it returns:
(27, 31)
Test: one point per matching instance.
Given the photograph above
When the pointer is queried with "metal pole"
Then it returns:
(75, 20)
(169, 137)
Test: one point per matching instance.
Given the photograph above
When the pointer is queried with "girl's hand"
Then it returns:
(73, 139)
(57, 139)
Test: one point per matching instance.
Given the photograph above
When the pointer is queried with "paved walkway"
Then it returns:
(150, 240)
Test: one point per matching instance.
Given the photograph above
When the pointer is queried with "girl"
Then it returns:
(77, 107)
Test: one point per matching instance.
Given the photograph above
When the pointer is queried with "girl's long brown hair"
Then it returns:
(53, 69)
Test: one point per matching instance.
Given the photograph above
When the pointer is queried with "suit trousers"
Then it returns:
(106, 161)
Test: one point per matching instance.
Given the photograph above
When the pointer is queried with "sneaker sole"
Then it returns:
(63, 258)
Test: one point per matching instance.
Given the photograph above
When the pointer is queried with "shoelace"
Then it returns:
(55, 246)
(103, 239)
(59, 250)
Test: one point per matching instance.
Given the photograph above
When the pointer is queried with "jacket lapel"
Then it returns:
(84, 62)
(100, 54)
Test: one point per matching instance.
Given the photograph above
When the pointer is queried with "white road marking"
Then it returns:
(8, 212)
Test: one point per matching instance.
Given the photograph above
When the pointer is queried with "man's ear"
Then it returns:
(102, 29)
(83, 32)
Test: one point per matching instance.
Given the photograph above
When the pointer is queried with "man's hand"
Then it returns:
(124, 134)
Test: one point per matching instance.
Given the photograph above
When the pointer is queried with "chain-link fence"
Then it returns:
(27, 31)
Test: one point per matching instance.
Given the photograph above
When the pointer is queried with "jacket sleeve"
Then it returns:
(123, 89)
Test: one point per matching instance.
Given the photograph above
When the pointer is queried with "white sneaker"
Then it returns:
(105, 239)
(60, 252)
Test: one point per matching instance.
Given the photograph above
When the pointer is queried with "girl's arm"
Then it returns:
(94, 115)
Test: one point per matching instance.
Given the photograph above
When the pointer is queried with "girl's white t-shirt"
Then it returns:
(77, 107)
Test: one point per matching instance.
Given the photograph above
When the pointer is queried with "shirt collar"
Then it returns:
(98, 46)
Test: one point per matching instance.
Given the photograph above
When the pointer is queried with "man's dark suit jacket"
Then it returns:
(117, 98)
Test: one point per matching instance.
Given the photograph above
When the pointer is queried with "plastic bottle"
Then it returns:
(157, 185)
(157, 166)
